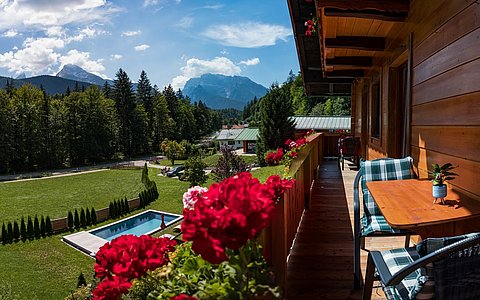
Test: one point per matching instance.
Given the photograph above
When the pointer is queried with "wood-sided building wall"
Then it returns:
(444, 67)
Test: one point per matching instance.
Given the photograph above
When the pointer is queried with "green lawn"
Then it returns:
(168, 163)
(47, 268)
(56, 196)
(212, 160)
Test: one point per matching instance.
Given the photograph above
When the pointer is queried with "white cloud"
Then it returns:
(10, 33)
(24, 14)
(185, 22)
(248, 35)
(251, 62)
(55, 31)
(142, 47)
(83, 60)
(149, 2)
(196, 67)
(214, 7)
(116, 56)
(87, 32)
(131, 33)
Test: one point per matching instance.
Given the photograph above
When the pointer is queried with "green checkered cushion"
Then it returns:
(425, 286)
(376, 170)
(395, 260)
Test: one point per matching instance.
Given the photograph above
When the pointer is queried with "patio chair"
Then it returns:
(373, 224)
(438, 268)
(349, 147)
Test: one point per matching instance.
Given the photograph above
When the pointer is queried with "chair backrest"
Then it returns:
(350, 146)
(382, 169)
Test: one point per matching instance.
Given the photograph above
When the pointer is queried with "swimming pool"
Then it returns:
(147, 222)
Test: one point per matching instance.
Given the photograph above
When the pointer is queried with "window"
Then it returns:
(231, 142)
(376, 110)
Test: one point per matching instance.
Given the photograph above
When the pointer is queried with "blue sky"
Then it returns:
(172, 40)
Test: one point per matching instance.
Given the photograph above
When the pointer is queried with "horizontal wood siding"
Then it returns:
(446, 96)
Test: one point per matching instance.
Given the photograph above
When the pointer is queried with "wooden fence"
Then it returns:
(103, 214)
(278, 237)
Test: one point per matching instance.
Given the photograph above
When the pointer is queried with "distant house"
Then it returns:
(227, 137)
(336, 124)
(248, 137)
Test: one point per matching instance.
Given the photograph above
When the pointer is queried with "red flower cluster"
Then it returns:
(128, 257)
(311, 27)
(229, 214)
(296, 145)
(274, 158)
(183, 297)
(309, 133)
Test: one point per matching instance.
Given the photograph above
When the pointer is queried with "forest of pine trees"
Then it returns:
(41, 131)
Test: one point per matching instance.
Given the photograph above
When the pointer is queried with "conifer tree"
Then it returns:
(107, 90)
(16, 231)
(142, 200)
(127, 208)
(83, 219)
(30, 232)
(23, 229)
(43, 226)
(4, 234)
(10, 232)
(88, 217)
(93, 216)
(76, 219)
(81, 281)
(70, 220)
(48, 225)
(111, 210)
(36, 227)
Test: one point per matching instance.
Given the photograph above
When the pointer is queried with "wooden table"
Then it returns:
(408, 204)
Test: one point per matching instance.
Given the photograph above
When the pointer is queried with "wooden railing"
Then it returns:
(278, 237)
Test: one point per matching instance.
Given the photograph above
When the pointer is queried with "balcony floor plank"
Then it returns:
(320, 264)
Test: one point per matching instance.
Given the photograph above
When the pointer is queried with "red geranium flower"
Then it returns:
(183, 297)
(111, 289)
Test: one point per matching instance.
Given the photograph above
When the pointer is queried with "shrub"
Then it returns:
(81, 280)
(70, 220)
(88, 217)
(36, 227)
(93, 216)
(83, 219)
(110, 209)
(194, 171)
(142, 199)
(228, 165)
(16, 231)
(43, 226)
(76, 219)
(48, 225)
(23, 229)
(4, 234)
(30, 232)
(10, 232)
(127, 208)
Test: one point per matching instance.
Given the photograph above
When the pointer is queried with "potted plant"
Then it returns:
(440, 174)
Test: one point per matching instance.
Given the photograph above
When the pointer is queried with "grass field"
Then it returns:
(47, 268)
(212, 160)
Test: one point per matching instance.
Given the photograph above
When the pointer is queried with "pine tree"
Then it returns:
(16, 231)
(83, 219)
(76, 219)
(127, 208)
(107, 90)
(115, 209)
(81, 281)
(88, 217)
(142, 200)
(23, 229)
(10, 232)
(48, 225)
(30, 232)
(122, 94)
(36, 227)
(93, 216)
(276, 126)
(111, 210)
(145, 97)
(70, 220)
(43, 226)
(4, 234)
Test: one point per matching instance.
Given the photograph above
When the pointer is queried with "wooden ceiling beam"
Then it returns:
(354, 61)
(381, 5)
(315, 76)
(366, 14)
(356, 42)
(346, 73)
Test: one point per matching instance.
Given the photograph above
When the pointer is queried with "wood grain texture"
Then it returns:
(467, 170)
(459, 52)
(462, 142)
(457, 81)
(408, 204)
(463, 110)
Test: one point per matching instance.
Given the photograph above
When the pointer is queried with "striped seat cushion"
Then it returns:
(395, 260)
(376, 170)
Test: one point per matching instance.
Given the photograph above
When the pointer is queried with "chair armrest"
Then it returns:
(356, 204)
(389, 279)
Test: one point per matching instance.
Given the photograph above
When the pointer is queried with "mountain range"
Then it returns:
(219, 91)
(216, 91)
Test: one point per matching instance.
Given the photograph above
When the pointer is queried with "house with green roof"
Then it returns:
(248, 137)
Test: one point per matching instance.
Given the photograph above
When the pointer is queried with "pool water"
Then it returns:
(145, 223)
